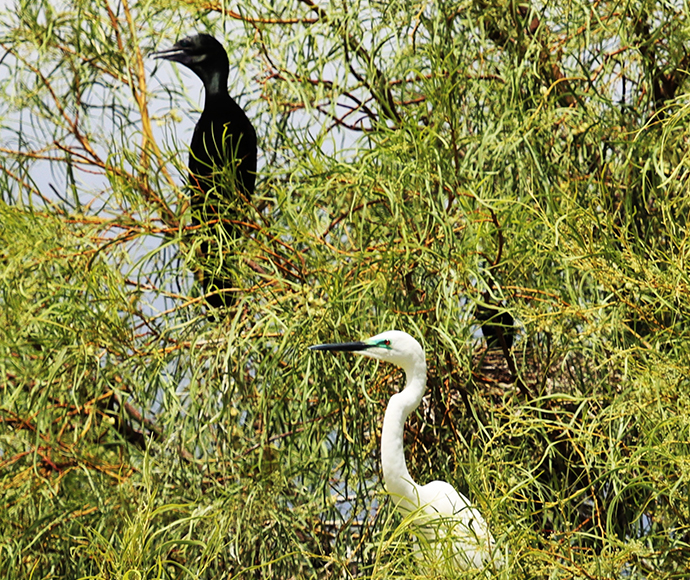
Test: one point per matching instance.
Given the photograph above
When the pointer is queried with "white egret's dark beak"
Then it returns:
(342, 347)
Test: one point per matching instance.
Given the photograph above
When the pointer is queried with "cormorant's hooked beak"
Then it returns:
(176, 54)
(342, 347)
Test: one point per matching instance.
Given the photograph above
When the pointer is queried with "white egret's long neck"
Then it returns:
(398, 481)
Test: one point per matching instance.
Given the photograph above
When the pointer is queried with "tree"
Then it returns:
(422, 166)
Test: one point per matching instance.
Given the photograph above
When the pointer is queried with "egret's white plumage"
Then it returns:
(440, 510)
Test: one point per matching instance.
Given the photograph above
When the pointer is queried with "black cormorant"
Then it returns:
(222, 159)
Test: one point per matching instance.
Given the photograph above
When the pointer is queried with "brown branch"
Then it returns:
(337, 220)
(664, 85)
(218, 7)
(138, 438)
(550, 69)
(381, 88)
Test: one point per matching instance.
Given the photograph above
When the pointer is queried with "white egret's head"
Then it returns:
(393, 346)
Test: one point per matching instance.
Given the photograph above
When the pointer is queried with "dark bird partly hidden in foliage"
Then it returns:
(222, 159)
(497, 326)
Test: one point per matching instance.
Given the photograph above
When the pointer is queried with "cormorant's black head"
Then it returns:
(202, 53)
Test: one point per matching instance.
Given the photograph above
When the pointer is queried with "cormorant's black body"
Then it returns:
(222, 158)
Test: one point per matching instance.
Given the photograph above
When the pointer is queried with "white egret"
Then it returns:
(441, 511)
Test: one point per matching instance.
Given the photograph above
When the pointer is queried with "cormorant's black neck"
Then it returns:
(215, 82)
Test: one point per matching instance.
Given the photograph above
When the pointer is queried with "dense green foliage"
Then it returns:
(420, 165)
